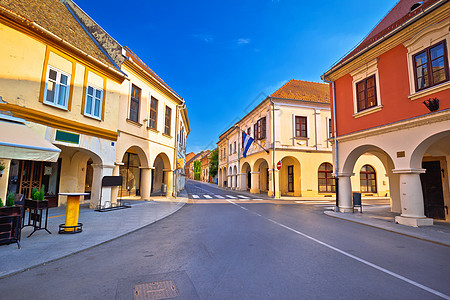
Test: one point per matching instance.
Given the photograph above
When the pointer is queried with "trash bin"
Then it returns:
(357, 201)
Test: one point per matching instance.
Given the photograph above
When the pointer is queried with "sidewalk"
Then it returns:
(98, 228)
(374, 215)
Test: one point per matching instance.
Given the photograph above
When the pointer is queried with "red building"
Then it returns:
(391, 98)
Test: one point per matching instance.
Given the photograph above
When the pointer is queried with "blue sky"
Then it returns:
(224, 57)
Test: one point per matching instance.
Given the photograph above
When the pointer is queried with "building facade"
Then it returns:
(290, 128)
(92, 99)
(392, 100)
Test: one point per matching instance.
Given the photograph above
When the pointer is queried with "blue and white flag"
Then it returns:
(248, 140)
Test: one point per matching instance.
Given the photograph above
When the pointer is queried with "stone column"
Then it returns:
(242, 182)
(229, 179)
(411, 198)
(146, 182)
(254, 189)
(97, 192)
(169, 182)
(345, 192)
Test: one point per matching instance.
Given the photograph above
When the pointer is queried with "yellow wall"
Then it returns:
(23, 72)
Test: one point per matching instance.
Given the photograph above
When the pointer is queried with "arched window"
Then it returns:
(326, 179)
(368, 179)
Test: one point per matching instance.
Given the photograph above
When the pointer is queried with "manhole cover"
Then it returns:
(155, 290)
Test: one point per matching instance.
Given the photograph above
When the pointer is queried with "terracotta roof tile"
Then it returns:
(394, 18)
(56, 18)
(140, 63)
(304, 90)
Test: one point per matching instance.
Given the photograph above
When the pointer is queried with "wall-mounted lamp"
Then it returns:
(432, 104)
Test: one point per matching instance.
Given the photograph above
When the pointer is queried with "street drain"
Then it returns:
(155, 290)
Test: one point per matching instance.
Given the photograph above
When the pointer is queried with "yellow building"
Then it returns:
(55, 77)
(106, 112)
(297, 117)
(153, 127)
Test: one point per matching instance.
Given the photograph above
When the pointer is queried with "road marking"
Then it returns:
(231, 197)
(412, 282)
(257, 199)
(243, 197)
(207, 196)
(195, 196)
(56, 216)
(218, 196)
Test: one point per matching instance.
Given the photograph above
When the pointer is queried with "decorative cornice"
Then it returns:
(436, 117)
(53, 121)
(151, 80)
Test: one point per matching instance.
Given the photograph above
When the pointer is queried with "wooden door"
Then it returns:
(290, 179)
(433, 196)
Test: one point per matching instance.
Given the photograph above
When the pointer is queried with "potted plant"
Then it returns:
(37, 199)
(2, 167)
(10, 220)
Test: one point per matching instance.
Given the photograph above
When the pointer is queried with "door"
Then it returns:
(290, 179)
(30, 176)
(249, 180)
(433, 196)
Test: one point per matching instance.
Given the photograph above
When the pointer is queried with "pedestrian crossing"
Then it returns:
(214, 196)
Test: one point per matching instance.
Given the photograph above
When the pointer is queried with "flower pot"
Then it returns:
(36, 204)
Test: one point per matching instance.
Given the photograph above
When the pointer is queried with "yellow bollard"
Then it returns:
(72, 212)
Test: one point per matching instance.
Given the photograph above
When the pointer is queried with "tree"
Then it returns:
(214, 162)
(197, 169)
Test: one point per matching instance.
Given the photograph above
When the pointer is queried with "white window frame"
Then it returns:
(92, 115)
(365, 71)
(422, 40)
(57, 84)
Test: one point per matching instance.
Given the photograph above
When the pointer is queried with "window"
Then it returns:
(94, 99)
(168, 117)
(153, 113)
(431, 66)
(301, 128)
(262, 128)
(57, 88)
(231, 149)
(249, 131)
(368, 180)
(234, 147)
(134, 105)
(327, 183)
(366, 94)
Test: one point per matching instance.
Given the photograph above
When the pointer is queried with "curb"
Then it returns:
(385, 228)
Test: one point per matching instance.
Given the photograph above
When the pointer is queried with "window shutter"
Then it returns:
(263, 134)
(255, 131)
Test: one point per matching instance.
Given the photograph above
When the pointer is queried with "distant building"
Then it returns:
(392, 100)
(290, 127)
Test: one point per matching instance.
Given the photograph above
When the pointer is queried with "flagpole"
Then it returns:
(255, 141)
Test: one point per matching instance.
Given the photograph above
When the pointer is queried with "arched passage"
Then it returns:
(348, 170)
(162, 175)
(290, 176)
(246, 181)
(260, 176)
(134, 160)
(433, 156)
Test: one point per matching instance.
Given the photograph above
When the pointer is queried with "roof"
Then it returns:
(304, 90)
(397, 16)
(54, 16)
(141, 64)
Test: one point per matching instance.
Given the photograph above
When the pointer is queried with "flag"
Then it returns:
(246, 144)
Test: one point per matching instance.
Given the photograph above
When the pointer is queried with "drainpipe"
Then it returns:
(273, 145)
(336, 162)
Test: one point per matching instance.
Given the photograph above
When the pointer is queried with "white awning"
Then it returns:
(17, 141)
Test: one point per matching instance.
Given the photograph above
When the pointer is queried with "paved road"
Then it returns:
(226, 248)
